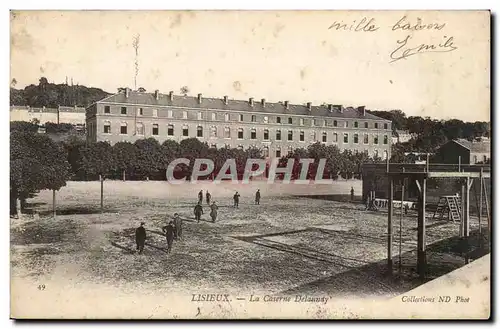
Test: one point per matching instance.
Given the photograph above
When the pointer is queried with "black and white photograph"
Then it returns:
(250, 164)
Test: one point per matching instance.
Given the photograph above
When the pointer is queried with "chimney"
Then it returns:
(286, 104)
(171, 96)
(362, 110)
(226, 100)
(127, 92)
(263, 101)
(157, 94)
(341, 109)
(309, 107)
(250, 100)
(330, 108)
(199, 98)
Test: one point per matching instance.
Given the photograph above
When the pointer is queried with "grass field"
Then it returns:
(301, 238)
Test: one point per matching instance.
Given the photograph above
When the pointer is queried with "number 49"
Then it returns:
(41, 287)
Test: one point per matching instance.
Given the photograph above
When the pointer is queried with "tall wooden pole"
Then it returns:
(459, 162)
(480, 210)
(54, 202)
(401, 223)
(462, 210)
(102, 192)
(389, 224)
(421, 249)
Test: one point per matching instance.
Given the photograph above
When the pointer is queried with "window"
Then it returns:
(155, 129)
(290, 150)
(355, 124)
(107, 127)
(266, 134)
(366, 125)
(240, 117)
(266, 119)
(346, 138)
(475, 158)
(335, 137)
(386, 125)
(155, 112)
(375, 154)
(346, 124)
(278, 135)
(278, 153)
(485, 158)
(140, 111)
(253, 134)
(314, 122)
(290, 121)
(213, 131)
(123, 110)
(226, 117)
(170, 114)
(365, 139)
(278, 119)
(170, 130)
(254, 118)
(200, 116)
(386, 139)
(227, 132)
(375, 139)
(355, 138)
(240, 133)
(324, 137)
(265, 152)
(214, 116)
(139, 129)
(184, 115)
(107, 109)
(301, 136)
(199, 131)
(185, 131)
(335, 123)
(385, 155)
(375, 125)
(313, 136)
(301, 121)
(290, 135)
(123, 128)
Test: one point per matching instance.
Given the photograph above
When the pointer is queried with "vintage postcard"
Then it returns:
(250, 165)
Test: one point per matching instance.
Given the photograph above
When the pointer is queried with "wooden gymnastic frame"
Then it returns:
(421, 180)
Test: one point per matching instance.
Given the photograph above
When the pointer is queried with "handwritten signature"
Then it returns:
(403, 51)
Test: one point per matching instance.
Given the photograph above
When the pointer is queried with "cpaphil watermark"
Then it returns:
(203, 168)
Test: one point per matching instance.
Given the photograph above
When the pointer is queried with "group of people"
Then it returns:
(173, 230)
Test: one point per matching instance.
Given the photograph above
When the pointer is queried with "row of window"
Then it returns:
(253, 118)
(240, 133)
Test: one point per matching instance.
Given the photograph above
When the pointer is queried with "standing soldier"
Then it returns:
(169, 233)
(198, 211)
(213, 211)
(209, 197)
(140, 237)
(236, 199)
(257, 197)
(178, 225)
(352, 193)
(200, 196)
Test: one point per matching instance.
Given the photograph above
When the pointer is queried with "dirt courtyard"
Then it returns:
(301, 238)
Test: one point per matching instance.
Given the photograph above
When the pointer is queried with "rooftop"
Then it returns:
(49, 109)
(483, 146)
(251, 105)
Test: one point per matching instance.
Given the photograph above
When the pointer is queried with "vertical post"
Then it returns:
(427, 163)
(480, 209)
(102, 194)
(54, 202)
(467, 206)
(389, 225)
(421, 254)
(459, 162)
(462, 210)
(401, 223)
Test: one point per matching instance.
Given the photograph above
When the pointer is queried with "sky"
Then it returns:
(276, 55)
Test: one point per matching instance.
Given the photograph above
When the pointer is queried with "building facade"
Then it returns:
(61, 114)
(469, 152)
(275, 128)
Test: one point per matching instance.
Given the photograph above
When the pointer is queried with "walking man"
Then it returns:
(169, 233)
(213, 211)
(352, 193)
(209, 197)
(257, 197)
(178, 226)
(198, 211)
(140, 237)
(200, 196)
(236, 199)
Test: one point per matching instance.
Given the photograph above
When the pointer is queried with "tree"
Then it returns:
(149, 155)
(124, 154)
(184, 90)
(36, 163)
(96, 159)
(141, 90)
(23, 126)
